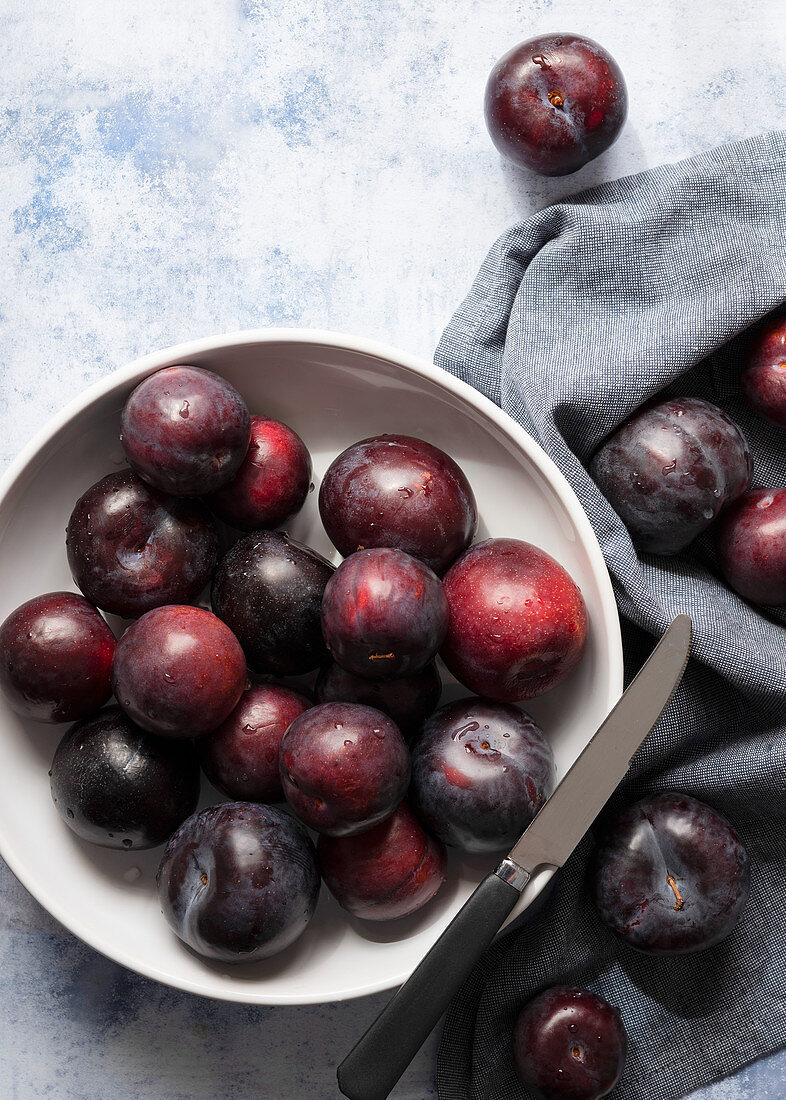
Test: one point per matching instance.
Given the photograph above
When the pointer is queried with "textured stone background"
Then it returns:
(176, 168)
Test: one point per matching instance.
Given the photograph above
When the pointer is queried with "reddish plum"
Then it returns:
(119, 786)
(272, 482)
(400, 492)
(384, 614)
(751, 544)
(56, 658)
(517, 620)
(764, 375)
(239, 882)
(185, 430)
(408, 701)
(388, 871)
(132, 548)
(670, 468)
(178, 671)
(268, 589)
(670, 875)
(481, 770)
(555, 102)
(569, 1044)
(240, 758)
(344, 767)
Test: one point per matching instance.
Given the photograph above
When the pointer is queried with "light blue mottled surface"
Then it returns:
(175, 168)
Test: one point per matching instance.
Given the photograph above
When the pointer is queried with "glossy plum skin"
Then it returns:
(132, 548)
(670, 875)
(119, 786)
(399, 492)
(239, 882)
(517, 621)
(670, 468)
(763, 378)
(408, 701)
(387, 872)
(178, 671)
(56, 658)
(569, 1044)
(240, 757)
(185, 430)
(344, 767)
(555, 102)
(268, 589)
(481, 770)
(272, 482)
(384, 614)
(751, 546)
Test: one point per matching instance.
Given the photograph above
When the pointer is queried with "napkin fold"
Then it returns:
(578, 314)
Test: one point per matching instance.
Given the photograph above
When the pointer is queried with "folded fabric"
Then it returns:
(578, 315)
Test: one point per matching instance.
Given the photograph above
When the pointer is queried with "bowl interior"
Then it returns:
(332, 395)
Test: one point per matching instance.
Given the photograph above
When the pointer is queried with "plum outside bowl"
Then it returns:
(333, 390)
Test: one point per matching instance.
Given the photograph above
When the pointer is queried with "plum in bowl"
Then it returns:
(333, 390)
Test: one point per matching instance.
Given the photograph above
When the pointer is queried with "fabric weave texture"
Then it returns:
(580, 313)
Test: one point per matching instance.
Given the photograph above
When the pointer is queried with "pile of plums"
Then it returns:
(351, 773)
(360, 756)
(678, 465)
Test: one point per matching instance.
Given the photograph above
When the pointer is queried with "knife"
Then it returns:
(374, 1065)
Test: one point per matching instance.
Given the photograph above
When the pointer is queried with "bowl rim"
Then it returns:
(135, 372)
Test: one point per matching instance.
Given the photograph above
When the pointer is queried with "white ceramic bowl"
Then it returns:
(333, 390)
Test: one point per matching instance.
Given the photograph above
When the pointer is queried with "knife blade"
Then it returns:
(374, 1065)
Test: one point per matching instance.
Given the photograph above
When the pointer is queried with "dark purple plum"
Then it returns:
(239, 882)
(400, 492)
(408, 701)
(119, 786)
(344, 767)
(569, 1044)
(764, 374)
(240, 758)
(751, 544)
(268, 590)
(384, 614)
(178, 671)
(387, 872)
(185, 430)
(555, 102)
(272, 482)
(56, 658)
(481, 770)
(517, 621)
(670, 875)
(132, 548)
(670, 468)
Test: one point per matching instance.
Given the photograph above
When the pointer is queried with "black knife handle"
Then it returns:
(372, 1067)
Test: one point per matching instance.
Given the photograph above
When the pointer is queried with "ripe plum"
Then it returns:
(517, 620)
(388, 871)
(670, 468)
(119, 786)
(384, 614)
(268, 590)
(56, 658)
(481, 770)
(132, 548)
(555, 102)
(670, 875)
(178, 671)
(272, 482)
(344, 767)
(185, 430)
(239, 882)
(400, 492)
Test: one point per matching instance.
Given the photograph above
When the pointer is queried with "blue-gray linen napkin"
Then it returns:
(578, 315)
